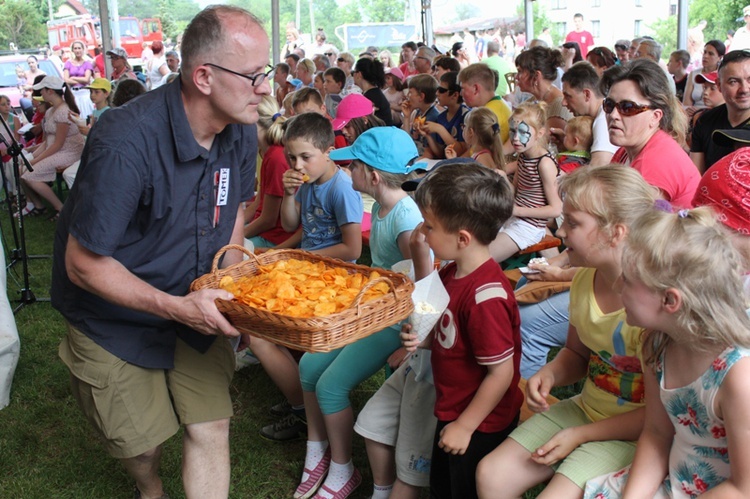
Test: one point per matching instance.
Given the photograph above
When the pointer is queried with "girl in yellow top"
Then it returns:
(575, 439)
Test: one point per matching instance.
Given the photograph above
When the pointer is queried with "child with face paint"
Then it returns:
(534, 183)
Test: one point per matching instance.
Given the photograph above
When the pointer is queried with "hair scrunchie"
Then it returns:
(495, 128)
(275, 117)
(663, 205)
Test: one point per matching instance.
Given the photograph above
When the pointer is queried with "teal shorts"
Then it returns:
(589, 460)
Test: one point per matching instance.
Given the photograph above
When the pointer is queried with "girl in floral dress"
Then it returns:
(681, 280)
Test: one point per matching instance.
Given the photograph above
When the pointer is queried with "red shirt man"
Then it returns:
(583, 38)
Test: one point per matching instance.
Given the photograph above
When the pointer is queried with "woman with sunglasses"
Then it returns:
(713, 51)
(645, 120)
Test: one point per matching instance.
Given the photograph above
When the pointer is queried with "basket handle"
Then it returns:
(220, 253)
(366, 287)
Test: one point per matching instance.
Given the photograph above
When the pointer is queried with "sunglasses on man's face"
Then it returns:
(625, 107)
(329, 54)
(341, 59)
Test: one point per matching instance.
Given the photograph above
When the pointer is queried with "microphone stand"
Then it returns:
(19, 253)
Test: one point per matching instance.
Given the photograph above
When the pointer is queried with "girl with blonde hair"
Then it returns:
(681, 281)
(263, 222)
(568, 443)
(482, 135)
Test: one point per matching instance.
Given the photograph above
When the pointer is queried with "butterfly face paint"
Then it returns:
(520, 133)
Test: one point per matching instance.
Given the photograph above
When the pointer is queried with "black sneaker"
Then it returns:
(281, 409)
(290, 427)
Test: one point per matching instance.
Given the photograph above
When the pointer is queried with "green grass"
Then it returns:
(47, 448)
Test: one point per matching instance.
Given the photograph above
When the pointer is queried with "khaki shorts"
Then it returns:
(400, 415)
(136, 409)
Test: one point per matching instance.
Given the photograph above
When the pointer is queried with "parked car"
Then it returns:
(9, 80)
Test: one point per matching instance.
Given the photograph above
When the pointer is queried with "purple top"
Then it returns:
(79, 71)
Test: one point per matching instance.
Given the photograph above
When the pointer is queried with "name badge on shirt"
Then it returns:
(223, 193)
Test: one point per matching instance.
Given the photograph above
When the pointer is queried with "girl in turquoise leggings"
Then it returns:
(327, 378)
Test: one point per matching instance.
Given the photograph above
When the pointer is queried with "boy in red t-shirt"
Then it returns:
(476, 344)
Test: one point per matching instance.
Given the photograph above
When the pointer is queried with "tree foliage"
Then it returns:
(22, 24)
(719, 16)
(382, 11)
(540, 21)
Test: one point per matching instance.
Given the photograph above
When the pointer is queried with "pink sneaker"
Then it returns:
(347, 489)
(307, 488)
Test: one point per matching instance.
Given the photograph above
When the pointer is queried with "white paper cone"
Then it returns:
(429, 290)
(422, 324)
(405, 267)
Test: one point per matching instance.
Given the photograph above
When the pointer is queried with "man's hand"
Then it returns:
(198, 311)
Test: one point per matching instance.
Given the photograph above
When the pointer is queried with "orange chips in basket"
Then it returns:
(300, 288)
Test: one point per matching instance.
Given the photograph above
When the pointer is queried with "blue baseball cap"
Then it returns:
(411, 185)
(384, 148)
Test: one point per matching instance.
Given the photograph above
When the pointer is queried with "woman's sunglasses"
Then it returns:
(625, 107)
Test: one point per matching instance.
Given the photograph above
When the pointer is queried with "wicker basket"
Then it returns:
(314, 334)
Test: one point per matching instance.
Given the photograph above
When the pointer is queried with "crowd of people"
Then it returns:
(640, 167)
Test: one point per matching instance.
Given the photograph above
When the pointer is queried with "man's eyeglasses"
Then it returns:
(621, 47)
(329, 54)
(341, 59)
(423, 58)
(734, 56)
(625, 107)
(256, 79)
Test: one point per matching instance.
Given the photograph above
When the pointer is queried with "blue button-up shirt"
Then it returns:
(146, 194)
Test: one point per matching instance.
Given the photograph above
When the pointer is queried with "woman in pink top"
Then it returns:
(645, 120)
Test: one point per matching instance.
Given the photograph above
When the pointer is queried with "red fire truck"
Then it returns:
(133, 32)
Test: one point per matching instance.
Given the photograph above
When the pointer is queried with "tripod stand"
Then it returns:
(18, 253)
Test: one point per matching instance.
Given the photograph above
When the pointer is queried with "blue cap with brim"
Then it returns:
(385, 148)
(411, 185)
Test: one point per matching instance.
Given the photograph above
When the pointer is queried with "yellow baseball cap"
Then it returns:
(100, 84)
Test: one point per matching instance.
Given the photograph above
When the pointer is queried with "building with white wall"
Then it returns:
(608, 20)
